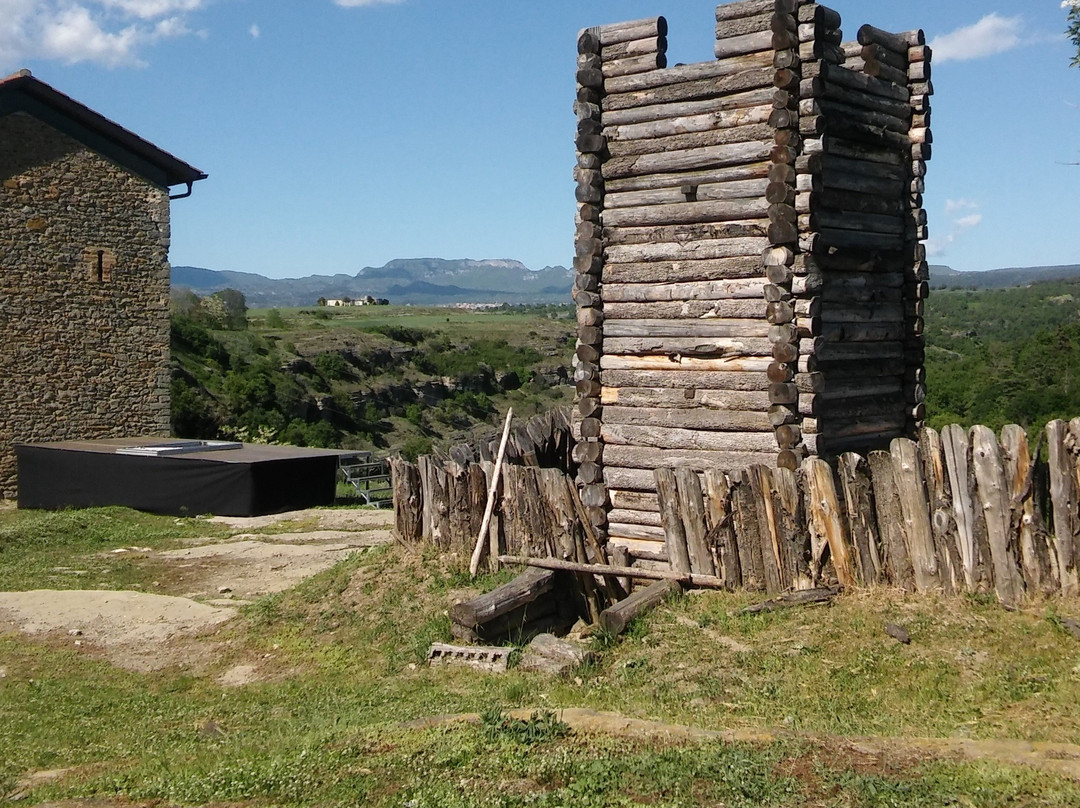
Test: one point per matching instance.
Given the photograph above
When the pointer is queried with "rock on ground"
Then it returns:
(548, 654)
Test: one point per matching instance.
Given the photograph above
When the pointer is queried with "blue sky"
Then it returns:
(340, 134)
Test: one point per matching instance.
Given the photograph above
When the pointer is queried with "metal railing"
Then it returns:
(370, 477)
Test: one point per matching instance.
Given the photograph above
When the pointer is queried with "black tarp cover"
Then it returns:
(249, 481)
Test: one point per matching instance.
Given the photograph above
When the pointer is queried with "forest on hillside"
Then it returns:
(387, 378)
(402, 378)
(999, 356)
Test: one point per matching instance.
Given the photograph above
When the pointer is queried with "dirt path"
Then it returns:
(197, 588)
(866, 753)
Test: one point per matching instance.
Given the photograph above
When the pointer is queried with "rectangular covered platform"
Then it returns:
(151, 474)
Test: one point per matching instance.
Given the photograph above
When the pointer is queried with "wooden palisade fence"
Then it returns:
(439, 500)
(956, 511)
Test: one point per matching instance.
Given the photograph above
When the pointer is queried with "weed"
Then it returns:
(541, 727)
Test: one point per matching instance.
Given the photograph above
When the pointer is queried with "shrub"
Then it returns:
(187, 335)
(414, 414)
(192, 414)
(414, 447)
(320, 434)
(331, 365)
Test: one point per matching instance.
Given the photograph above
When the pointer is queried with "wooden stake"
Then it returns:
(994, 498)
(478, 551)
(955, 445)
(826, 521)
(916, 513)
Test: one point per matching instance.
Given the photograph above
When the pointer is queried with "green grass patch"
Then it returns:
(341, 671)
(71, 549)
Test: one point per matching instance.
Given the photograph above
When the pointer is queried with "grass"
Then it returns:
(543, 325)
(342, 664)
(70, 549)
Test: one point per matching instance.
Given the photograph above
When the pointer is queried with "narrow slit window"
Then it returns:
(98, 263)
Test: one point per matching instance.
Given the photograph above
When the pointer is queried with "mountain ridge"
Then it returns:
(442, 281)
(945, 277)
(425, 281)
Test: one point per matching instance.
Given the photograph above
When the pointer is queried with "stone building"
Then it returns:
(84, 273)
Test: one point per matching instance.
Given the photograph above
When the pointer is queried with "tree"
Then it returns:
(184, 302)
(274, 319)
(233, 309)
(1072, 17)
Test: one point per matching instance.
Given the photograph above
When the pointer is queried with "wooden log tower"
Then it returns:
(750, 273)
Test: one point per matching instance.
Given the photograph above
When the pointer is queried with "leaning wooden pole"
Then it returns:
(478, 551)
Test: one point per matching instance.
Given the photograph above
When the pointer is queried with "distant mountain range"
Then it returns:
(438, 281)
(419, 281)
(943, 277)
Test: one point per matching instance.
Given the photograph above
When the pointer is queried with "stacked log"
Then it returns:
(749, 269)
(607, 54)
(916, 269)
(779, 293)
(684, 219)
(860, 224)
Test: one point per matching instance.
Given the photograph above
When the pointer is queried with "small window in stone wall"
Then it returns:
(100, 263)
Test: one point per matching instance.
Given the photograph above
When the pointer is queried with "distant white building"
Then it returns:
(367, 300)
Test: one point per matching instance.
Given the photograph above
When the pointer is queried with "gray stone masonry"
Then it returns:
(84, 295)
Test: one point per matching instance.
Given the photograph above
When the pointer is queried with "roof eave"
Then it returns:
(24, 93)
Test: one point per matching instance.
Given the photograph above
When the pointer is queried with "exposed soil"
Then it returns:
(196, 590)
(348, 519)
(247, 569)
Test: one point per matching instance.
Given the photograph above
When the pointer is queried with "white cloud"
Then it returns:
(991, 35)
(953, 205)
(957, 224)
(152, 9)
(362, 3)
(107, 32)
(255, 31)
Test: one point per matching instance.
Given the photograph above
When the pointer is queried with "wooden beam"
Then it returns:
(686, 578)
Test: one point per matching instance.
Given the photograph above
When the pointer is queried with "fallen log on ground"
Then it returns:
(616, 618)
(803, 597)
(530, 604)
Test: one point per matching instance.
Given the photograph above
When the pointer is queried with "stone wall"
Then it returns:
(84, 295)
